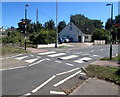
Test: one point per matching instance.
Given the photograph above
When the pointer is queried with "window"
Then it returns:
(86, 37)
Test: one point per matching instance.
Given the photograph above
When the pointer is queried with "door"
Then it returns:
(79, 38)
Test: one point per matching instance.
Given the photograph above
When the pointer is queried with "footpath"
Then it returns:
(94, 86)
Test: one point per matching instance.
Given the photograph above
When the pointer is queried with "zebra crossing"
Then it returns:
(52, 54)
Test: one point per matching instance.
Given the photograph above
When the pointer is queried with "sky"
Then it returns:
(12, 12)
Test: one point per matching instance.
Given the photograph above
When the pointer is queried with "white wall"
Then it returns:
(89, 38)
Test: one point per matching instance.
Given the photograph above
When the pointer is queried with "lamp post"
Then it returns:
(25, 22)
(56, 24)
(111, 29)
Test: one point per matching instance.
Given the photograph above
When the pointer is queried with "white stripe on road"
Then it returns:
(28, 94)
(58, 61)
(67, 71)
(13, 68)
(16, 55)
(68, 57)
(57, 93)
(37, 62)
(83, 60)
(55, 55)
(20, 58)
(35, 90)
(69, 64)
(83, 73)
(46, 53)
(64, 80)
(31, 60)
(95, 55)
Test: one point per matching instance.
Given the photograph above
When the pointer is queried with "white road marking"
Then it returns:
(95, 55)
(35, 90)
(64, 80)
(85, 54)
(57, 92)
(46, 53)
(82, 60)
(31, 60)
(36, 62)
(28, 94)
(16, 55)
(67, 71)
(83, 73)
(47, 59)
(20, 58)
(68, 57)
(69, 64)
(13, 68)
(31, 55)
(58, 61)
(55, 55)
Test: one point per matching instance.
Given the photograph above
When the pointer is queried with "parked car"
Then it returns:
(60, 40)
(65, 39)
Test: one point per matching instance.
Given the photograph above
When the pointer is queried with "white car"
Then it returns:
(65, 39)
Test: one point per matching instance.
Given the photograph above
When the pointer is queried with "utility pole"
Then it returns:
(111, 29)
(25, 22)
(56, 43)
(37, 20)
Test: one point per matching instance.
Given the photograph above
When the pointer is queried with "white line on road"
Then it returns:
(67, 72)
(35, 90)
(56, 55)
(36, 62)
(31, 60)
(62, 81)
(68, 57)
(69, 64)
(13, 68)
(20, 58)
(28, 94)
(58, 61)
(46, 53)
(82, 60)
(57, 93)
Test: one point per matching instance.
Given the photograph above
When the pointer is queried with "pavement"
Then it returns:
(95, 86)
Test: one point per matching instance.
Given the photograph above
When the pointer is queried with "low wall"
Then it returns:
(99, 41)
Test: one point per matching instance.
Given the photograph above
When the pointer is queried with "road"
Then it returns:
(50, 72)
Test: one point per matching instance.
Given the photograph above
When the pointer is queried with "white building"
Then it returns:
(72, 32)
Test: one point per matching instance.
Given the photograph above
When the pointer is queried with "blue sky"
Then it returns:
(12, 12)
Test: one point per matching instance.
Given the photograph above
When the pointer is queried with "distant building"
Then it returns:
(119, 8)
(74, 33)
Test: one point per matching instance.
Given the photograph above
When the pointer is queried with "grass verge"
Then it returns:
(113, 58)
(108, 73)
(9, 50)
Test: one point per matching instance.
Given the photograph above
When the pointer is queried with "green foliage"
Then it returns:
(8, 50)
(43, 37)
(49, 25)
(100, 34)
(13, 37)
(61, 25)
(86, 25)
(104, 72)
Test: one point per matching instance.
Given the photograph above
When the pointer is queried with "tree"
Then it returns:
(85, 23)
(100, 34)
(49, 25)
(13, 37)
(61, 25)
